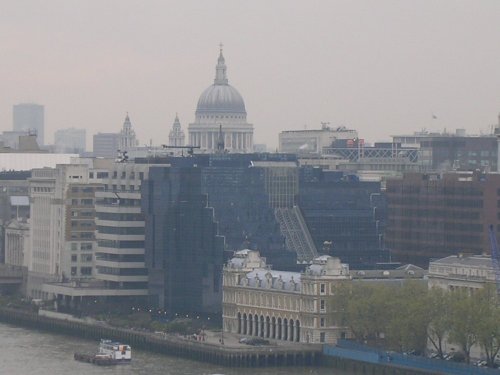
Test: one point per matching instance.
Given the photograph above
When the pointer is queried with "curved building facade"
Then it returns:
(221, 109)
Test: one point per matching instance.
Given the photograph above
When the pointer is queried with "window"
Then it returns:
(124, 174)
(86, 271)
(73, 271)
(322, 322)
(86, 258)
(86, 246)
(73, 258)
(141, 176)
(74, 246)
(322, 337)
(322, 288)
(322, 305)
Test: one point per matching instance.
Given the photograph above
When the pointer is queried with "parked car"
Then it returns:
(254, 341)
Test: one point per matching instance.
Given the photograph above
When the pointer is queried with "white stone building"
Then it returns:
(221, 109)
(461, 271)
(17, 243)
(279, 305)
(120, 231)
(62, 230)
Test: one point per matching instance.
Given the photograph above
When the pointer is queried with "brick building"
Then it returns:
(434, 215)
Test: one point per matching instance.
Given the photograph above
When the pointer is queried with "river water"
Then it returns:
(26, 352)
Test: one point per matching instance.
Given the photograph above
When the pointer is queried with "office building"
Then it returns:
(61, 226)
(29, 117)
(120, 229)
(184, 251)
(106, 145)
(345, 216)
(313, 141)
(453, 151)
(434, 215)
(254, 197)
(70, 140)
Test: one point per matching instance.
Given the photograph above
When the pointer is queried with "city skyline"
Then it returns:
(381, 69)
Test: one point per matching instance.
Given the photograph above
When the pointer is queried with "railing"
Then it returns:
(297, 236)
(362, 353)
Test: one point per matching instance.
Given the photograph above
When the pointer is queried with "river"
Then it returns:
(27, 352)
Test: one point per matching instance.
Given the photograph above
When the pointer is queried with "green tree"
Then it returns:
(438, 302)
(488, 334)
(408, 317)
(464, 320)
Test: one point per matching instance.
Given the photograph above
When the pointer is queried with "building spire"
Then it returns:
(220, 141)
(127, 124)
(220, 69)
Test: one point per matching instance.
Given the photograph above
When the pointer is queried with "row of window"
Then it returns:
(119, 216)
(121, 230)
(84, 271)
(83, 258)
(83, 246)
(121, 244)
(131, 175)
(80, 213)
(42, 190)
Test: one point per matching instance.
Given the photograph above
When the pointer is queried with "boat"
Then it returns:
(109, 353)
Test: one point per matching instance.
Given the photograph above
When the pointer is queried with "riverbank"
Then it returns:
(205, 351)
(224, 350)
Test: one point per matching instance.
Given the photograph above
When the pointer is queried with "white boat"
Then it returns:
(110, 353)
(115, 350)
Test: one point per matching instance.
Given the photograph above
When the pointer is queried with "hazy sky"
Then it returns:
(381, 67)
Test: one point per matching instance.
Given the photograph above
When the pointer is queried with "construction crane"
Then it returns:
(495, 258)
(190, 149)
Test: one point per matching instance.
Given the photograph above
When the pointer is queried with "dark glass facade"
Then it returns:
(346, 217)
(184, 252)
(239, 192)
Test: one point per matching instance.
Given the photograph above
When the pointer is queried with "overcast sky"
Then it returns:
(381, 67)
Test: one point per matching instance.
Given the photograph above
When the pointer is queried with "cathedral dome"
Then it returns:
(220, 97)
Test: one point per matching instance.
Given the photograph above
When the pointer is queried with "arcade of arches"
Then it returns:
(268, 327)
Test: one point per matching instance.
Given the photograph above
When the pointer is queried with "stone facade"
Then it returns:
(279, 305)
(16, 243)
(465, 272)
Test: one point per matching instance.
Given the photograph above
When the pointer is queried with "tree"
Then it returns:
(464, 320)
(438, 301)
(408, 317)
(488, 334)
